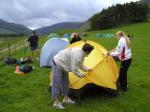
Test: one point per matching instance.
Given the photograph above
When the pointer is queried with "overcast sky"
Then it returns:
(39, 13)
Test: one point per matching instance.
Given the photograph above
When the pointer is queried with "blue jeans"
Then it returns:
(60, 82)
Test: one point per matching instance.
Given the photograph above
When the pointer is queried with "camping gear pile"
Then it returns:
(10, 60)
(21, 69)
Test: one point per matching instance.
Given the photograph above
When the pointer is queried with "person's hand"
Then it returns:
(108, 53)
(90, 69)
(81, 76)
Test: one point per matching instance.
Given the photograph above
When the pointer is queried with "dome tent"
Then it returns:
(66, 35)
(104, 73)
(53, 35)
(50, 49)
(106, 35)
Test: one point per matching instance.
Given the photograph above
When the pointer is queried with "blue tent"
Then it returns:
(50, 49)
(66, 35)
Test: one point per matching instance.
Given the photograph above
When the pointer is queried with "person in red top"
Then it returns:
(123, 52)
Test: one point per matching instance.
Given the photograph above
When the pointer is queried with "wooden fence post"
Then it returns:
(9, 49)
(1, 51)
(15, 47)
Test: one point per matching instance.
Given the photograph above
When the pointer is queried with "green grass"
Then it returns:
(4, 42)
(26, 94)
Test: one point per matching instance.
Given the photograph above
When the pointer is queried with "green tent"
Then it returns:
(53, 35)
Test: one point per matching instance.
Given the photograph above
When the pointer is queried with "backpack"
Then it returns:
(25, 69)
(9, 61)
(26, 60)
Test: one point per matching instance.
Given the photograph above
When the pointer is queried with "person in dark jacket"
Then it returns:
(75, 38)
(33, 41)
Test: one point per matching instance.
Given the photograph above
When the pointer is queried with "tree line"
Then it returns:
(119, 14)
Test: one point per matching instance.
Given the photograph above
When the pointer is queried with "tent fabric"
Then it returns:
(66, 35)
(106, 35)
(50, 49)
(104, 73)
(53, 35)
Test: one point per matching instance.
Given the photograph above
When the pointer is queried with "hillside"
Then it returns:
(6, 31)
(107, 18)
(12, 28)
(147, 1)
(59, 26)
(85, 26)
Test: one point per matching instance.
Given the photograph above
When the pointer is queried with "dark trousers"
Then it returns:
(123, 74)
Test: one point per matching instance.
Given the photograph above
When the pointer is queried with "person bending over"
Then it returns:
(68, 60)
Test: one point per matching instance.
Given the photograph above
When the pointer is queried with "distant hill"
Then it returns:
(147, 1)
(6, 31)
(12, 28)
(85, 26)
(59, 26)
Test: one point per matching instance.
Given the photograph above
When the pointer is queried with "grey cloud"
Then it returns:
(39, 13)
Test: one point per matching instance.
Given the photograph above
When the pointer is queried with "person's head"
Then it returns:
(87, 48)
(77, 35)
(34, 33)
(73, 35)
(120, 34)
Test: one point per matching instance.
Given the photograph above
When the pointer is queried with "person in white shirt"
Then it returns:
(68, 60)
(123, 52)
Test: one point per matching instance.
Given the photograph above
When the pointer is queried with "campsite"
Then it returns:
(30, 92)
(20, 91)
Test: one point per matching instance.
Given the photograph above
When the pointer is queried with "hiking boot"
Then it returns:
(125, 90)
(68, 101)
(58, 106)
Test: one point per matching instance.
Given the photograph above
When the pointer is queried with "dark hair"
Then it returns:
(34, 32)
(87, 47)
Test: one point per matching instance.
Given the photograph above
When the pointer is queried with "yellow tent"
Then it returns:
(104, 73)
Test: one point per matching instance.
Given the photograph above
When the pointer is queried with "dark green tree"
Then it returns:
(120, 14)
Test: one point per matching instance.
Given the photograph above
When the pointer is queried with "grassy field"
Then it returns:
(4, 42)
(26, 94)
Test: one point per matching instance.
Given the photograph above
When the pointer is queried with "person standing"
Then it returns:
(33, 40)
(75, 38)
(123, 52)
(68, 60)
